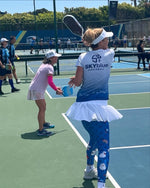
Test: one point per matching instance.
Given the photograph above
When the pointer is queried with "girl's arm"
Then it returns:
(53, 86)
(77, 80)
(51, 83)
(17, 57)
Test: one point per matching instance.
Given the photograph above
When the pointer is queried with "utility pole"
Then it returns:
(36, 50)
(108, 15)
(56, 38)
(135, 2)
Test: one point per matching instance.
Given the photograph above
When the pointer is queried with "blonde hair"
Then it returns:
(90, 35)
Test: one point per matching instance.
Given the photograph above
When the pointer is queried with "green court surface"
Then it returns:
(32, 162)
(28, 161)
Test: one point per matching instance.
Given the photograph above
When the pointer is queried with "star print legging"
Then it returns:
(99, 140)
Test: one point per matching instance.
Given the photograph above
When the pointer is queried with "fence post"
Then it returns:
(26, 67)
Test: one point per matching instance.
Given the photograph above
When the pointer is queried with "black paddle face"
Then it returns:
(73, 25)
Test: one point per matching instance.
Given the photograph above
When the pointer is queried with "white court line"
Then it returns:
(141, 108)
(129, 93)
(113, 181)
(49, 95)
(124, 75)
(140, 81)
(69, 97)
(130, 82)
(72, 97)
(145, 76)
(31, 70)
(130, 147)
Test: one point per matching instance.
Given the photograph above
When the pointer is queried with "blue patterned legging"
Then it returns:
(99, 139)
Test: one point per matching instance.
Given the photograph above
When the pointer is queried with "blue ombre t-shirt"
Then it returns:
(96, 71)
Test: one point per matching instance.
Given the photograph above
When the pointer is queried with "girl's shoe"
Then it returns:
(48, 126)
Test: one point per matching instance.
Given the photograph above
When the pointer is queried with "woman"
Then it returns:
(142, 55)
(93, 71)
(43, 77)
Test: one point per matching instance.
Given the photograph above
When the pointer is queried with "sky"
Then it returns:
(19, 6)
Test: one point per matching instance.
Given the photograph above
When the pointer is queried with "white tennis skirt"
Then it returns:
(97, 110)
(34, 95)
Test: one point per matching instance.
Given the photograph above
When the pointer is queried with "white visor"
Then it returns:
(52, 53)
(103, 35)
(4, 40)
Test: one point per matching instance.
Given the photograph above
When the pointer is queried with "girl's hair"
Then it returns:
(90, 35)
(46, 61)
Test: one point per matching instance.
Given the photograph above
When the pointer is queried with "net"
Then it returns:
(29, 64)
(132, 57)
(128, 59)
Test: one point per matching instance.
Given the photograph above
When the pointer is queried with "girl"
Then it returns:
(43, 77)
(93, 71)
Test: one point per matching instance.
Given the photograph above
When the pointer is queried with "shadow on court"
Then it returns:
(5, 94)
(33, 135)
(87, 184)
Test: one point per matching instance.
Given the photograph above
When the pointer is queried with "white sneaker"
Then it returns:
(101, 185)
(92, 174)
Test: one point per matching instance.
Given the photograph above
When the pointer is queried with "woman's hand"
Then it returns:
(77, 79)
(71, 82)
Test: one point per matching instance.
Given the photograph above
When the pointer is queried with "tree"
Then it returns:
(38, 11)
(127, 12)
(88, 17)
(145, 4)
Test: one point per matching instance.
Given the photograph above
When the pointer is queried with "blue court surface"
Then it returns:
(130, 141)
(122, 84)
(129, 137)
(129, 148)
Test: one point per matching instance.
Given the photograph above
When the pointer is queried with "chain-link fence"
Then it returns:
(137, 30)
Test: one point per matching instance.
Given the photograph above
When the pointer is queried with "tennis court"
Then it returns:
(132, 144)
(58, 161)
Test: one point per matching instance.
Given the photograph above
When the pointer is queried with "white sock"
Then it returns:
(101, 185)
(89, 168)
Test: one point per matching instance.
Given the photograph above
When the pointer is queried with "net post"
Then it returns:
(26, 67)
(118, 59)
